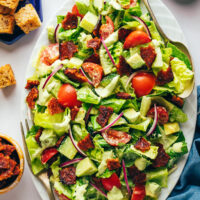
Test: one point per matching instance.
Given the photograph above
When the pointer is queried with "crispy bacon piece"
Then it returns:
(32, 97)
(75, 75)
(113, 164)
(177, 101)
(94, 43)
(32, 83)
(86, 143)
(68, 175)
(38, 134)
(54, 107)
(105, 113)
(74, 112)
(61, 196)
(60, 140)
(148, 54)
(67, 50)
(137, 176)
(142, 145)
(16, 171)
(107, 29)
(94, 59)
(162, 158)
(7, 149)
(70, 21)
(123, 95)
(123, 33)
(164, 77)
(4, 162)
(123, 67)
(163, 115)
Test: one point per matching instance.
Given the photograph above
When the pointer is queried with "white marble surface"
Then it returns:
(18, 56)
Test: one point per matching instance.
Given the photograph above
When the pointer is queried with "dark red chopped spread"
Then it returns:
(137, 176)
(94, 43)
(123, 33)
(38, 134)
(60, 140)
(104, 115)
(16, 170)
(7, 149)
(177, 101)
(74, 112)
(4, 162)
(54, 107)
(163, 115)
(70, 21)
(123, 68)
(75, 75)
(123, 95)
(148, 54)
(113, 164)
(68, 175)
(162, 158)
(32, 83)
(86, 143)
(142, 144)
(93, 59)
(164, 77)
(67, 50)
(32, 97)
(107, 29)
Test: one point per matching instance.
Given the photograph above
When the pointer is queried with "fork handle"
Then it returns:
(46, 183)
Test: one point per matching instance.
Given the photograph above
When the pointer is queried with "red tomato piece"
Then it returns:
(143, 83)
(139, 192)
(114, 138)
(47, 154)
(76, 12)
(50, 54)
(94, 71)
(109, 183)
(67, 96)
(136, 38)
(107, 29)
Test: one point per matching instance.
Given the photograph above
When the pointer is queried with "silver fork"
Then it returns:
(42, 176)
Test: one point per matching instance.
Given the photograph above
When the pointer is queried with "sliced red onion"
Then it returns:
(56, 33)
(84, 74)
(107, 50)
(144, 24)
(152, 129)
(111, 124)
(99, 190)
(125, 177)
(74, 143)
(52, 74)
(88, 114)
(65, 164)
(130, 79)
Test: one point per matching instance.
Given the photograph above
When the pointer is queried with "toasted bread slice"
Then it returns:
(7, 23)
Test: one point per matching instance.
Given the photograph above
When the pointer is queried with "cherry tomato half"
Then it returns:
(76, 12)
(67, 96)
(47, 154)
(143, 83)
(109, 183)
(138, 192)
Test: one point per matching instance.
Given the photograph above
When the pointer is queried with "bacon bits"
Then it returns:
(74, 112)
(107, 29)
(123, 95)
(113, 164)
(32, 97)
(94, 44)
(60, 140)
(86, 143)
(94, 59)
(177, 101)
(123, 67)
(105, 113)
(138, 177)
(163, 115)
(162, 158)
(123, 33)
(75, 75)
(38, 134)
(148, 54)
(68, 175)
(142, 145)
(32, 83)
(54, 107)
(70, 21)
(67, 50)
(164, 77)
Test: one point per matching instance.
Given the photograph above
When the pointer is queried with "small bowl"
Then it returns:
(21, 162)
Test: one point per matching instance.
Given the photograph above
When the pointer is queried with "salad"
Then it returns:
(105, 103)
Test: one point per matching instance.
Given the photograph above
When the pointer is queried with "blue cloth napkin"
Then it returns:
(188, 186)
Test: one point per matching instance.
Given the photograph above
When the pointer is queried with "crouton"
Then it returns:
(7, 23)
(7, 77)
(27, 18)
(5, 10)
(8, 6)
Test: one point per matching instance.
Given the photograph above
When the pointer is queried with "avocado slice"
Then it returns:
(131, 115)
(152, 189)
(135, 61)
(115, 194)
(75, 63)
(85, 168)
(142, 163)
(68, 149)
(145, 105)
(171, 128)
(120, 121)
